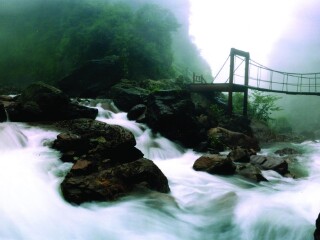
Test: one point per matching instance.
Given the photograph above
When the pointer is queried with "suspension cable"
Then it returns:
(221, 68)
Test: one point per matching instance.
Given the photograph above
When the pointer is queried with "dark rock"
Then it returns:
(237, 123)
(286, 151)
(233, 139)
(137, 112)
(113, 183)
(126, 95)
(99, 133)
(41, 102)
(82, 167)
(241, 155)
(172, 114)
(3, 115)
(96, 140)
(45, 96)
(107, 166)
(92, 79)
(70, 142)
(214, 164)
(250, 171)
(69, 156)
(270, 163)
(317, 231)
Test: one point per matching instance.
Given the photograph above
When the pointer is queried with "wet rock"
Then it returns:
(241, 155)
(97, 140)
(172, 114)
(92, 79)
(3, 115)
(125, 95)
(250, 171)
(108, 166)
(42, 102)
(112, 183)
(70, 142)
(316, 233)
(270, 163)
(233, 139)
(137, 112)
(81, 167)
(286, 151)
(215, 164)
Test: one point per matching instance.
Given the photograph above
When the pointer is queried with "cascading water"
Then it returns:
(200, 206)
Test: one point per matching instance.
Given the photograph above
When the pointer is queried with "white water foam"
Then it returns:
(200, 205)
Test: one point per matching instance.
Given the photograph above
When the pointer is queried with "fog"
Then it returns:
(22, 20)
(282, 35)
(298, 50)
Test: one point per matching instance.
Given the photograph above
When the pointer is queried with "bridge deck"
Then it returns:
(216, 87)
(225, 87)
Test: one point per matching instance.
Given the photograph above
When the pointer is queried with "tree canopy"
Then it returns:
(47, 40)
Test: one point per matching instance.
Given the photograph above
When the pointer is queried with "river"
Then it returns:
(200, 206)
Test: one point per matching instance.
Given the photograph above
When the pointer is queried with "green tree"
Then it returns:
(153, 50)
(49, 39)
(261, 106)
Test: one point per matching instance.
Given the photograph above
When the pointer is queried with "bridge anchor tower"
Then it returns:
(233, 53)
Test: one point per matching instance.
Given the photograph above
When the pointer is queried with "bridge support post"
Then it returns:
(246, 83)
(230, 102)
(246, 55)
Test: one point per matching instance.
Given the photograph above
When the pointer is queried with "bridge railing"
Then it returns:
(267, 79)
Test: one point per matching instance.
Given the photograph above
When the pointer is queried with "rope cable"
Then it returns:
(221, 68)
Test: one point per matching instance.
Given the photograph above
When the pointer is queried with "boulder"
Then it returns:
(214, 164)
(172, 114)
(237, 123)
(316, 233)
(250, 171)
(3, 115)
(126, 95)
(106, 163)
(241, 155)
(42, 102)
(110, 136)
(270, 163)
(233, 139)
(137, 112)
(96, 140)
(286, 151)
(71, 143)
(112, 183)
(93, 78)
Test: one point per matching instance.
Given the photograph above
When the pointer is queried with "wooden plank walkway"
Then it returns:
(226, 87)
(216, 87)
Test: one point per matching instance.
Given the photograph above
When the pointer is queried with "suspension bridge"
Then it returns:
(244, 74)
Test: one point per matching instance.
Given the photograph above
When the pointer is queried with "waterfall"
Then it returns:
(199, 206)
(11, 136)
(7, 115)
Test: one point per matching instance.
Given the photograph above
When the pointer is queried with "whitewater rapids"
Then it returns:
(200, 206)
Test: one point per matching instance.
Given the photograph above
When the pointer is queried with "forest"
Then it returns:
(45, 40)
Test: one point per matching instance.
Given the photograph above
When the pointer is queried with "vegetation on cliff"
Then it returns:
(46, 40)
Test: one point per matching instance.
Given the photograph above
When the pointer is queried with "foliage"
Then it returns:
(50, 38)
(238, 103)
(281, 125)
(217, 113)
(261, 106)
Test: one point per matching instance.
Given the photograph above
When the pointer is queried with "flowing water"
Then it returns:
(199, 207)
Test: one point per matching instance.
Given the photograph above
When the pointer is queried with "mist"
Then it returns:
(298, 50)
(38, 41)
(281, 35)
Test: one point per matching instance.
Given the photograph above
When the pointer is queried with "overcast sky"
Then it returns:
(281, 34)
